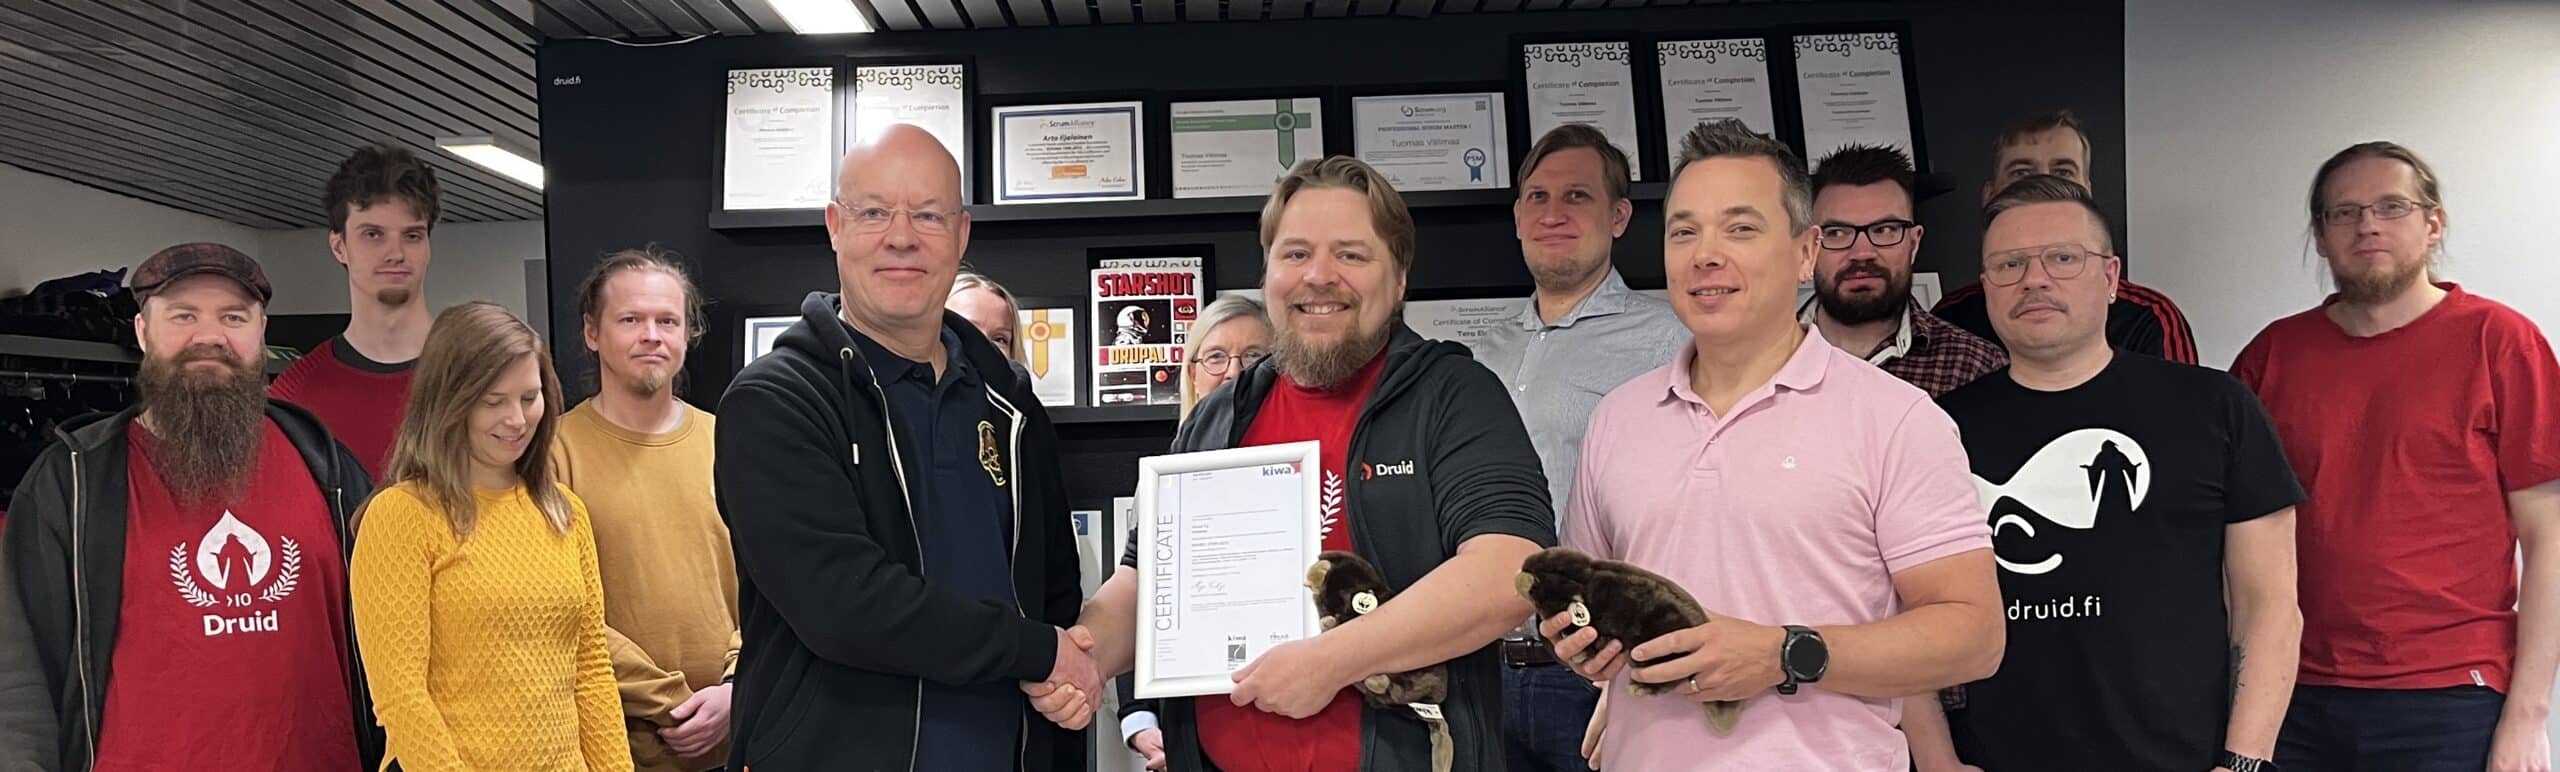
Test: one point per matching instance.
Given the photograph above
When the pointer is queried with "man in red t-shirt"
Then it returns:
(382, 208)
(1427, 472)
(2424, 422)
(173, 580)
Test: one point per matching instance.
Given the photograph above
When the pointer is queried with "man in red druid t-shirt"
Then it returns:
(2424, 422)
(382, 208)
(173, 584)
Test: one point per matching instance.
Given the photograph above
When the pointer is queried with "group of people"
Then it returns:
(2022, 530)
(402, 549)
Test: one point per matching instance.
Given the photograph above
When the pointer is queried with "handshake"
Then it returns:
(1073, 691)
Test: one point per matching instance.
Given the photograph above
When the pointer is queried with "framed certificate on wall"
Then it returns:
(934, 96)
(1586, 83)
(1451, 141)
(1703, 81)
(1073, 152)
(778, 135)
(1851, 88)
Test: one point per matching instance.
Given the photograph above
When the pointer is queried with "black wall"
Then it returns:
(629, 147)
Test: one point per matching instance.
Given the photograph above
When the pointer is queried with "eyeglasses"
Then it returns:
(1217, 362)
(2066, 262)
(1882, 233)
(2386, 209)
(875, 219)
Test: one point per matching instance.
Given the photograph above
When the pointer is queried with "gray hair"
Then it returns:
(1728, 138)
(1220, 311)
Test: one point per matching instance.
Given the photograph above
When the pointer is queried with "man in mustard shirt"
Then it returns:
(641, 459)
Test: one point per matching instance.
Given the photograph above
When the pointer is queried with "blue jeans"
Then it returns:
(1545, 709)
(2416, 730)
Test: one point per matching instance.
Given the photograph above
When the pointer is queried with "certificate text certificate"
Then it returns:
(1230, 550)
(1434, 142)
(1087, 152)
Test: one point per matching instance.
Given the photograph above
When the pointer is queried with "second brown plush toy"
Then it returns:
(1624, 603)
(1347, 586)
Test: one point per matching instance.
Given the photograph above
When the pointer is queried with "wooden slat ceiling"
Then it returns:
(240, 109)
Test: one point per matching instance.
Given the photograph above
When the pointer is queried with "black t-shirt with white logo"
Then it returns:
(2107, 503)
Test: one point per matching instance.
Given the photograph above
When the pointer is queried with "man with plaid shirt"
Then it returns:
(1861, 303)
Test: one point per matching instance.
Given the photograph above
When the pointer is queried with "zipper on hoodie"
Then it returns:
(915, 733)
(80, 608)
(1013, 554)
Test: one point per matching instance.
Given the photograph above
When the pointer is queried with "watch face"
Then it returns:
(1807, 656)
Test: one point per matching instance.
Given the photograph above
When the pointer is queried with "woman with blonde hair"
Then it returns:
(477, 601)
(1221, 352)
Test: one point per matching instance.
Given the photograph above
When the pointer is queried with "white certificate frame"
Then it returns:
(1307, 458)
(1496, 128)
(757, 335)
(937, 95)
(1548, 73)
(1285, 118)
(788, 100)
(1000, 119)
(1855, 87)
(1707, 78)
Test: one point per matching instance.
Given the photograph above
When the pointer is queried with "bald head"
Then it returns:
(898, 229)
(900, 152)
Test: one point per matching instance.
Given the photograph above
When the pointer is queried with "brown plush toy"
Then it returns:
(1347, 586)
(1624, 603)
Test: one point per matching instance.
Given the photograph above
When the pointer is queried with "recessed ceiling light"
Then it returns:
(821, 17)
(487, 153)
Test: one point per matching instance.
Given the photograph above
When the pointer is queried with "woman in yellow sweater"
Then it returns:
(474, 579)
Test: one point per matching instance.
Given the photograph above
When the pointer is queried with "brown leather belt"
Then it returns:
(1527, 653)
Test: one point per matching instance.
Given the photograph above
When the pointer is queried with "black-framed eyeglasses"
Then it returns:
(2386, 209)
(2062, 262)
(1882, 233)
(874, 219)
(1217, 362)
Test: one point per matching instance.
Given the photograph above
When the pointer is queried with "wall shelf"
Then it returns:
(1120, 210)
(1116, 414)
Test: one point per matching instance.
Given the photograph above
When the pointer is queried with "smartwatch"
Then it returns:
(2238, 763)
(1803, 658)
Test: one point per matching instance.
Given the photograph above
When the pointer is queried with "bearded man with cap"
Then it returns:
(173, 576)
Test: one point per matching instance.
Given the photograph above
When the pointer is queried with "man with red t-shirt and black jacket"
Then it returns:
(173, 579)
(382, 207)
(1437, 484)
(2424, 422)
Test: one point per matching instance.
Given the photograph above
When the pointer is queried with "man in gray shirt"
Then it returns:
(1582, 334)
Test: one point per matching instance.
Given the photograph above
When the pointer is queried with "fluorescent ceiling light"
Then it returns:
(489, 154)
(821, 17)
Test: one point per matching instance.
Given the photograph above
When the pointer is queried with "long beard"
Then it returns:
(1320, 366)
(1861, 310)
(2379, 284)
(208, 425)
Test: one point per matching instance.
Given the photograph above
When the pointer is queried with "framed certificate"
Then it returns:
(934, 96)
(1048, 339)
(1709, 80)
(779, 134)
(1851, 89)
(1587, 83)
(1240, 147)
(1434, 141)
(1077, 152)
(1225, 540)
(758, 335)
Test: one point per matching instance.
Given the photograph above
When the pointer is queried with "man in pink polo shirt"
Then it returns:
(1819, 508)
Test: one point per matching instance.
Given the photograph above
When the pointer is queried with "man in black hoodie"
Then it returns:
(1436, 483)
(173, 582)
(905, 563)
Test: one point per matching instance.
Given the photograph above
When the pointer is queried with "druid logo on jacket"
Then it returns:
(233, 568)
(2065, 485)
